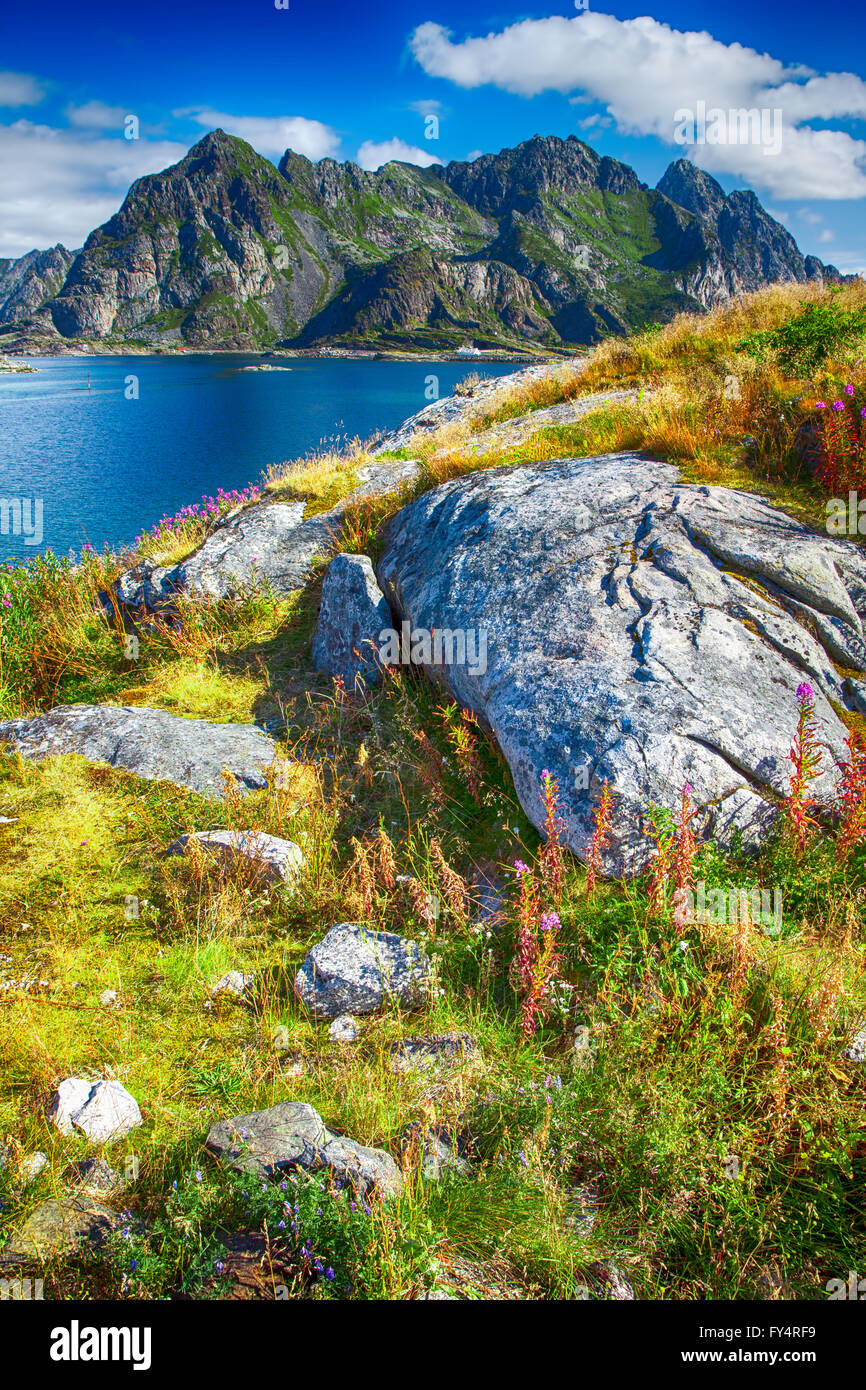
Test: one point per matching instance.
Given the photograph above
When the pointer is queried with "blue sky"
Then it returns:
(357, 81)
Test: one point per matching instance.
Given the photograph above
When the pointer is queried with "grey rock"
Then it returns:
(353, 614)
(638, 630)
(441, 1150)
(31, 1167)
(102, 1110)
(353, 970)
(344, 1029)
(610, 1283)
(855, 1051)
(293, 1135)
(279, 860)
(432, 1050)
(269, 542)
(149, 743)
(235, 983)
(96, 1175)
(61, 1226)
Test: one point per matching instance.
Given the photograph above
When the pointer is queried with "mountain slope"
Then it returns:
(548, 244)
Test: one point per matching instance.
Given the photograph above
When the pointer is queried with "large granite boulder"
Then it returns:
(148, 742)
(278, 861)
(616, 623)
(353, 971)
(293, 1135)
(352, 616)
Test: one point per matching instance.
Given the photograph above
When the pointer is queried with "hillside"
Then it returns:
(542, 247)
(533, 975)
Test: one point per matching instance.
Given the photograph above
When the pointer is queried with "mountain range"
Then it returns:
(540, 247)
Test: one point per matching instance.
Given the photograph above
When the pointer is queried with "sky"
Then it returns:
(429, 81)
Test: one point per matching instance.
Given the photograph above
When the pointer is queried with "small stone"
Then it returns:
(354, 970)
(610, 1282)
(234, 983)
(441, 1150)
(31, 1166)
(280, 861)
(108, 998)
(103, 1110)
(433, 1050)
(96, 1175)
(856, 1048)
(344, 1029)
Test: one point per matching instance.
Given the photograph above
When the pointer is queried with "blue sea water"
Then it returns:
(106, 465)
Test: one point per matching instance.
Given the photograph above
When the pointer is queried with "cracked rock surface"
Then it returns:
(147, 742)
(270, 541)
(638, 629)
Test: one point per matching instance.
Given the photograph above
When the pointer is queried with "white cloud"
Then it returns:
(372, 155)
(95, 115)
(426, 108)
(827, 235)
(643, 71)
(57, 185)
(808, 215)
(596, 122)
(270, 135)
(20, 89)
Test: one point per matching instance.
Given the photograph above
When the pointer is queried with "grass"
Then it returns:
(710, 1109)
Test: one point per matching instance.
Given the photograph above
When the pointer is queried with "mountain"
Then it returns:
(546, 245)
(31, 281)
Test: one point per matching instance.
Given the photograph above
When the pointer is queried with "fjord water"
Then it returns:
(108, 466)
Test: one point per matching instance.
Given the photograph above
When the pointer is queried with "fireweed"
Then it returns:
(805, 755)
(603, 823)
(537, 959)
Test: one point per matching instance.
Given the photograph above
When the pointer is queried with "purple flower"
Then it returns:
(838, 405)
(805, 693)
(820, 405)
(550, 921)
(523, 1159)
(219, 1266)
(849, 390)
(520, 868)
(329, 1273)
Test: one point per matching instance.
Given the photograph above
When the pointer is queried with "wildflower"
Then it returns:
(523, 1159)
(849, 390)
(219, 1266)
(520, 868)
(329, 1273)
(198, 1175)
(820, 405)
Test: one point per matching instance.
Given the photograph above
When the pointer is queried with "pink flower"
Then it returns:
(520, 868)
(849, 390)
(805, 693)
(838, 405)
(820, 405)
